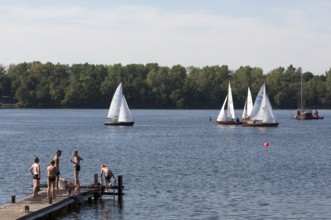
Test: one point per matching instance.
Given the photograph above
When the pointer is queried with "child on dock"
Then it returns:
(51, 178)
(35, 171)
(107, 174)
(76, 162)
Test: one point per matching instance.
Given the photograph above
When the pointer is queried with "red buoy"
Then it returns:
(266, 144)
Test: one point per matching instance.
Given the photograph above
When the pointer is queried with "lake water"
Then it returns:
(176, 164)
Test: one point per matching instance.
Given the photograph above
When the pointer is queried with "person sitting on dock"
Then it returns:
(51, 177)
(107, 174)
(57, 164)
(35, 171)
(76, 162)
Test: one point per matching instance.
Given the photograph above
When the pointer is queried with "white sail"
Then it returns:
(244, 115)
(230, 109)
(256, 111)
(248, 105)
(269, 116)
(116, 102)
(222, 116)
(125, 114)
(229, 115)
(249, 102)
(262, 110)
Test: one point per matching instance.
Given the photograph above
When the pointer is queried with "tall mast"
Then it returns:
(301, 93)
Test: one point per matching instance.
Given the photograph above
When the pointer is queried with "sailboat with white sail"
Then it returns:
(228, 117)
(119, 112)
(248, 106)
(262, 114)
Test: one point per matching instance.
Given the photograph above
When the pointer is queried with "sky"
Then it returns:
(256, 33)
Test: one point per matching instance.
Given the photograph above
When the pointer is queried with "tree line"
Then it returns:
(150, 86)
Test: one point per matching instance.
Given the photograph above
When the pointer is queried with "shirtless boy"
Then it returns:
(57, 164)
(51, 177)
(35, 171)
(76, 162)
(106, 172)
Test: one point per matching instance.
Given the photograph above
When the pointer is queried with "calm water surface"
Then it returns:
(176, 164)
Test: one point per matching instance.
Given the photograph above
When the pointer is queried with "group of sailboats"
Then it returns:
(259, 114)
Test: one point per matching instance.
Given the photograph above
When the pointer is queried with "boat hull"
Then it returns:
(308, 118)
(118, 123)
(307, 114)
(228, 123)
(252, 124)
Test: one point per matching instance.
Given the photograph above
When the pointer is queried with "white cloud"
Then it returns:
(137, 34)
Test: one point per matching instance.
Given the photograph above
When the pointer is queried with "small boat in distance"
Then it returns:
(262, 114)
(248, 106)
(305, 113)
(119, 112)
(228, 118)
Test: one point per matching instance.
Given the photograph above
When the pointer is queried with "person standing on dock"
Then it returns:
(56, 158)
(35, 171)
(76, 162)
(51, 178)
(107, 174)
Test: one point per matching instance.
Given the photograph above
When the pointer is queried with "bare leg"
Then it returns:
(107, 184)
(53, 186)
(76, 180)
(35, 186)
(78, 185)
(48, 188)
(38, 185)
(75, 177)
(57, 182)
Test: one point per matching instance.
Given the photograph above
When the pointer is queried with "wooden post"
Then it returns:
(95, 197)
(50, 200)
(120, 188)
(95, 179)
(13, 199)
(27, 209)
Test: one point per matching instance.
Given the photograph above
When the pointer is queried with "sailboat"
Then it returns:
(248, 106)
(119, 112)
(305, 113)
(228, 117)
(262, 114)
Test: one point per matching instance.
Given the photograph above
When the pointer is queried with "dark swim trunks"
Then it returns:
(77, 167)
(36, 177)
(108, 176)
(51, 178)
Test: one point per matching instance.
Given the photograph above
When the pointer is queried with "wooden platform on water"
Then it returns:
(41, 207)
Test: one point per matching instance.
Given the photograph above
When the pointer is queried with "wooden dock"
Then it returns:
(41, 207)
